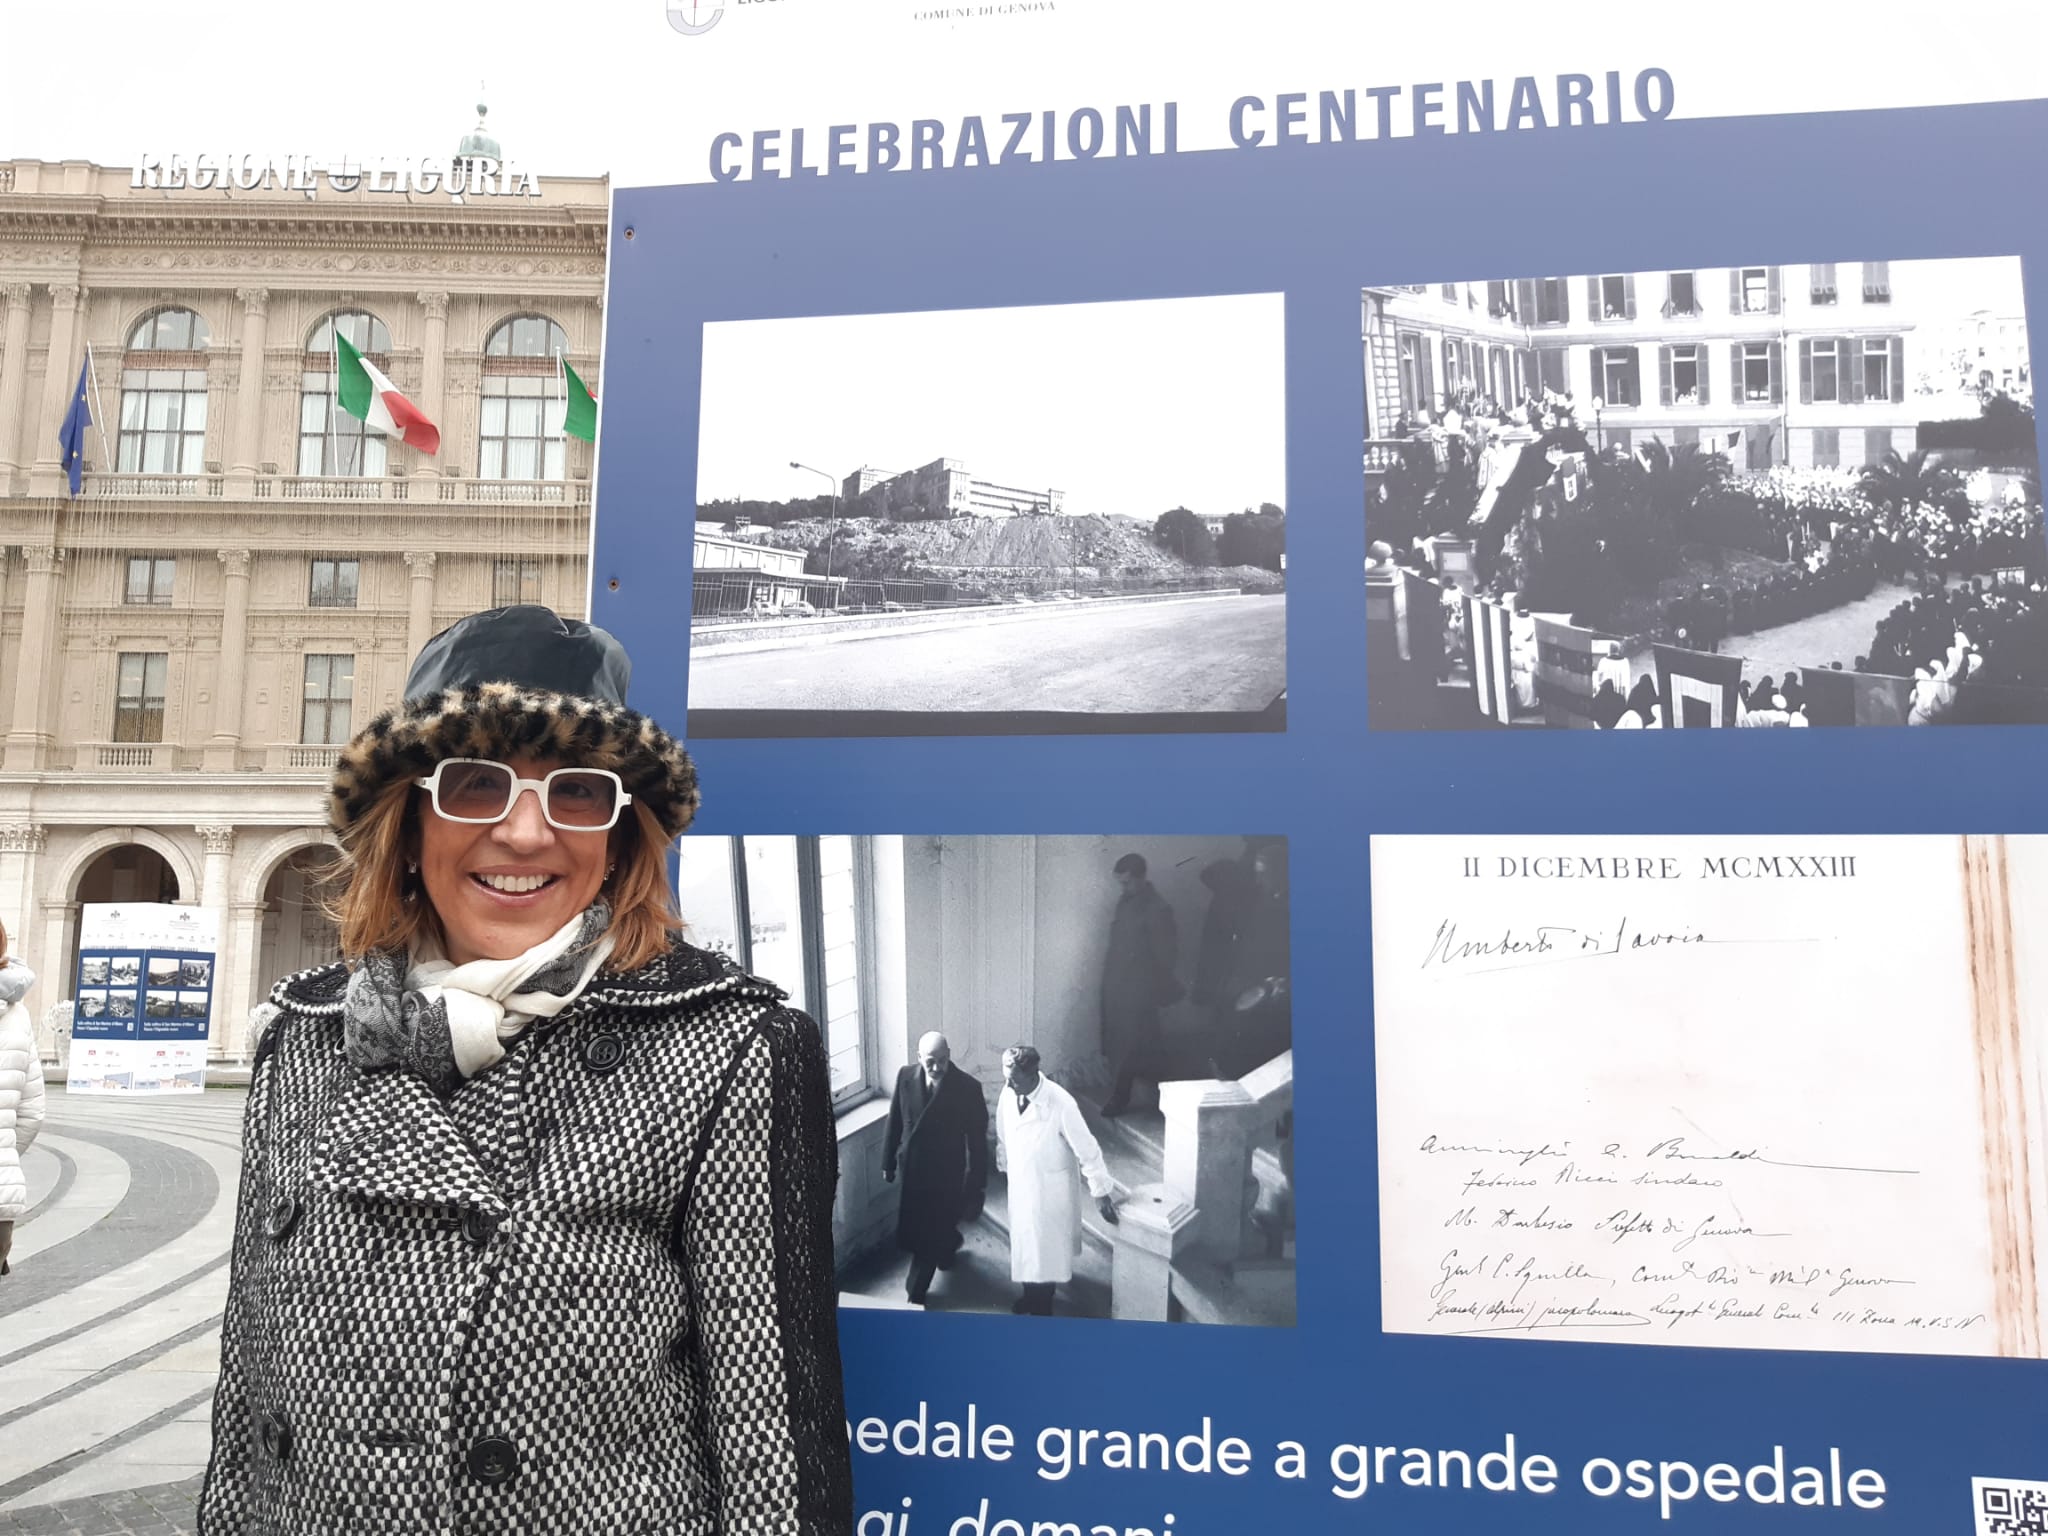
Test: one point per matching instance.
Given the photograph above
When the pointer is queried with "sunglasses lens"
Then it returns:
(582, 799)
(473, 791)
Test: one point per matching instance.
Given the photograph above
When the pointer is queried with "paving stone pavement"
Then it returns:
(110, 1345)
(166, 1510)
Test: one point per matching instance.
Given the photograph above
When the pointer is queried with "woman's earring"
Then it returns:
(411, 868)
(609, 868)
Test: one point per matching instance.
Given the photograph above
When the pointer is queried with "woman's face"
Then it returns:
(466, 868)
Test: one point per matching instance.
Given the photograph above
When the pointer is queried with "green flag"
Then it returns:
(579, 417)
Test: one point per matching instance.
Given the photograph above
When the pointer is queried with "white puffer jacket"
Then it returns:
(21, 1088)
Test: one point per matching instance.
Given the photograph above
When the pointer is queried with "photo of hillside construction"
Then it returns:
(1050, 519)
(1769, 496)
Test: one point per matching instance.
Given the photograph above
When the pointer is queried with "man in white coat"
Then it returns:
(1046, 1148)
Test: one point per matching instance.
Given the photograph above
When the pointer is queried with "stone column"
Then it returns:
(20, 844)
(248, 424)
(223, 752)
(433, 369)
(218, 839)
(47, 477)
(27, 742)
(419, 622)
(13, 379)
(1209, 1159)
(238, 987)
(57, 925)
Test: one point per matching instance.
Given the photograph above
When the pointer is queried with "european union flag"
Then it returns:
(71, 436)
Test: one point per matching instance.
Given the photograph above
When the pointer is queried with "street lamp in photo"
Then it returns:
(832, 530)
(1599, 433)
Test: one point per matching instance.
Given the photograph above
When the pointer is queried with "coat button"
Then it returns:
(493, 1460)
(283, 1214)
(274, 1435)
(478, 1225)
(603, 1052)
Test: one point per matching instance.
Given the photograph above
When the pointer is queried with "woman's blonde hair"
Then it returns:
(376, 905)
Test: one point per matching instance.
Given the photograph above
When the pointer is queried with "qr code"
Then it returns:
(2010, 1506)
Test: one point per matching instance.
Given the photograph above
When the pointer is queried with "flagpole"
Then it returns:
(99, 414)
(333, 394)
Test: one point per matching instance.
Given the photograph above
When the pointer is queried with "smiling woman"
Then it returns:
(639, 1327)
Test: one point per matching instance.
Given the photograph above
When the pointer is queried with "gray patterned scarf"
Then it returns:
(445, 1022)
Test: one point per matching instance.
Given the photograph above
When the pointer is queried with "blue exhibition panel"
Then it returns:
(1315, 223)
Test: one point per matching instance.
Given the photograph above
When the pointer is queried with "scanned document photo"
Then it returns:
(1740, 1092)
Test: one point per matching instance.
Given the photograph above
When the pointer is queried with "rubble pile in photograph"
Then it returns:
(1103, 548)
(1774, 496)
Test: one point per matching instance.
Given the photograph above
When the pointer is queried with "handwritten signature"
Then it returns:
(1557, 941)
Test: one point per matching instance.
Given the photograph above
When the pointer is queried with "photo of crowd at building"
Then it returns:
(1759, 496)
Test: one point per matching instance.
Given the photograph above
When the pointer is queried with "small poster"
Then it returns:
(143, 996)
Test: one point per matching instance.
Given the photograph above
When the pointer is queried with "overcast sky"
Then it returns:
(1128, 408)
(601, 86)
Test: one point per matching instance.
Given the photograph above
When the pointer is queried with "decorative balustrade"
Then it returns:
(342, 488)
(133, 756)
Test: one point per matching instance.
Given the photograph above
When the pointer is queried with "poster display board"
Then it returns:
(143, 998)
(1149, 474)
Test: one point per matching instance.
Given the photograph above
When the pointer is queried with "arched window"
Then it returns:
(522, 424)
(332, 442)
(163, 396)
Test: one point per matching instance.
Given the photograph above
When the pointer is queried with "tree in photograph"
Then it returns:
(1254, 538)
(1906, 484)
(1181, 533)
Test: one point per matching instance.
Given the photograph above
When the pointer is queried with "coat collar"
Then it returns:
(390, 1138)
(683, 975)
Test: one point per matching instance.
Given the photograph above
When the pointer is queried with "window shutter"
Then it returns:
(1701, 369)
(1735, 394)
(1428, 400)
(1735, 295)
(1594, 309)
(1777, 370)
(1851, 366)
(1898, 370)
(1805, 371)
(1628, 295)
(1775, 301)
(1664, 375)
(1564, 302)
(1525, 299)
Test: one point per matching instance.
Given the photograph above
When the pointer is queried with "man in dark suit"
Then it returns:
(938, 1141)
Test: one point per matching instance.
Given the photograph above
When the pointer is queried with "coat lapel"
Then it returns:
(391, 1139)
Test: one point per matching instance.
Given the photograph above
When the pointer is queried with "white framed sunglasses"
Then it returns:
(479, 791)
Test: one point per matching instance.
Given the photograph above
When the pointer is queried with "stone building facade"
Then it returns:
(243, 577)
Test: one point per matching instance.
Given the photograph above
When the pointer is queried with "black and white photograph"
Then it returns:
(164, 970)
(120, 1005)
(192, 1005)
(92, 971)
(1770, 496)
(1062, 1066)
(1035, 520)
(92, 1005)
(124, 970)
(194, 973)
(157, 1004)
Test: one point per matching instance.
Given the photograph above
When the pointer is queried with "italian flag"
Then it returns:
(373, 400)
(579, 405)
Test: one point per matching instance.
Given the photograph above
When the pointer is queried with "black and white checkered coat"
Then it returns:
(591, 1293)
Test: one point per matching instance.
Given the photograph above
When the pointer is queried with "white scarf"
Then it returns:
(484, 1005)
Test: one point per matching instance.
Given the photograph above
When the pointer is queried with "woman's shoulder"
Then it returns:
(701, 988)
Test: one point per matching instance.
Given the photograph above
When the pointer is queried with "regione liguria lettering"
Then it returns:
(466, 176)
